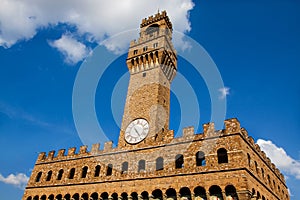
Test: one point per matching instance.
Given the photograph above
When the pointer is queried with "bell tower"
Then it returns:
(152, 63)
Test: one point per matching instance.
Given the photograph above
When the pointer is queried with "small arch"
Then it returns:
(256, 166)
(132, 62)
(249, 160)
(185, 193)
(141, 165)
(60, 174)
(114, 196)
(104, 196)
(262, 172)
(171, 193)
(67, 197)
(29, 198)
(58, 197)
(94, 196)
(72, 173)
(75, 196)
(84, 172)
(85, 196)
(157, 194)
(222, 156)
(44, 197)
(145, 195)
(215, 191)
(124, 196)
(159, 163)
(200, 192)
(258, 195)
(51, 197)
(109, 170)
(154, 28)
(124, 167)
(200, 158)
(179, 161)
(38, 177)
(230, 191)
(36, 197)
(263, 197)
(134, 196)
(97, 171)
(49, 174)
(253, 192)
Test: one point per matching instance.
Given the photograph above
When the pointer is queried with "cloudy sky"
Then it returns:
(43, 44)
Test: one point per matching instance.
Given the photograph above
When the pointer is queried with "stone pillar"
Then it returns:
(129, 197)
(193, 196)
(140, 197)
(208, 195)
(254, 197)
(224, 195)
(151, 197)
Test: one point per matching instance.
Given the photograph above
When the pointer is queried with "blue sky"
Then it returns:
(254, 44)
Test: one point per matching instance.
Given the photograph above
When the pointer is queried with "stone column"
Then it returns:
(224, 195)
(140, 197)
(208, 195)
(151, 197)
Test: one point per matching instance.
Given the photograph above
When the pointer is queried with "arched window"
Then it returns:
(222, 156)
(43, 197)
(29, 198)
(84, 172)
(109, 170)
(49, 176)
(67, 197)
(152, 29)
(104, 196)
(179, 161)
(72, 173)
(97, 171)
(159, 163)
(256, 167)
(36, 197)
(215, 191)
(75, 196)
(200, 192)
(38, 177)
(124, 196)
(51, 197)
(200, 158)
(85, 196)
(141, 165)
(157, 194)
(249, 160)
(58, 197)
(262, 173)
(185, 192)
(60, 174)
(124, 167)
(134, 196)
(94, 196)
(114, 196)
(171, 193)
(230, 191)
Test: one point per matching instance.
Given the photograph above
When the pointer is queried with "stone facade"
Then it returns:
(216, 164)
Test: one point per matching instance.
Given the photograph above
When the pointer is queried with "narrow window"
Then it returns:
(72, 173)
(135, 51)
(49, 176)
(249, 160)
(256, 167)
(262, 173)
(97, 171)
(222, 156)
(84, 172)
(159, 163)
(141, 165)
(38, 177)
(144, 74)
(155, 45)
(200, 158)
(60, 174)
(179, 161)
(145, 48)
(124, 167)
(109, 170)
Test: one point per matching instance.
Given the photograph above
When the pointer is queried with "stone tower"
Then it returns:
(152, 64)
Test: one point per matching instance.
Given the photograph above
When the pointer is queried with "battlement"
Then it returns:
(155, 18)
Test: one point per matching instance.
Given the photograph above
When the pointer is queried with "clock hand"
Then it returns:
(136, 131)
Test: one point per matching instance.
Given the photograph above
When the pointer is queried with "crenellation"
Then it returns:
(188, 132)
(71, 151)
(61, 153)
(232, 126)
(108, 146)
(95, 149)
(209, 129)
(50, 155)
(41, 156)
(83, 150)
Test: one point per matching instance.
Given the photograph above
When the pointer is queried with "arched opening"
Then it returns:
(72, 173)
(171, 193)
(263, 197)
(159, 163)
(258, 195)
(60, 174)
(256, 167)
(84, 172)
(200, 158)
(44, 197)
(29, 198)
(38, 177)
(67, 197)
(157, 194)
(94, 196)
(104, 196)
(49, 174)
(179, 161)
(185, 193)
(141, 165)
(51, 197)
(230, 192)
(124, 196)
(134, 196)
(200, 192)
(97, 171)
(109, 170)
(36, 197)
(152, 30)
(249, 160)
(58, 197)
(145, 195)
(262, 173)
(75, 196)
(124, 167)
(85, 196)
(253, 192)
(222, 156)
(114, 196)
(216, 192)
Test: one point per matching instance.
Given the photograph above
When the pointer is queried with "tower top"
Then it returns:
(155, 18)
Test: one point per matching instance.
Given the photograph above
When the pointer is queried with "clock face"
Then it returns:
(136, 131)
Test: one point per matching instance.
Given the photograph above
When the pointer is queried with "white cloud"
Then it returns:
(224, 92)
(73, 50)
(99, 19)
(19, 180)
(280, 158)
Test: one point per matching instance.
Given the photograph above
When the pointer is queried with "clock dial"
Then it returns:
(136, 131)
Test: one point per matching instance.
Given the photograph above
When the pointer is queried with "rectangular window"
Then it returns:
(135, 52)
(155, 45)
(145, 48)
